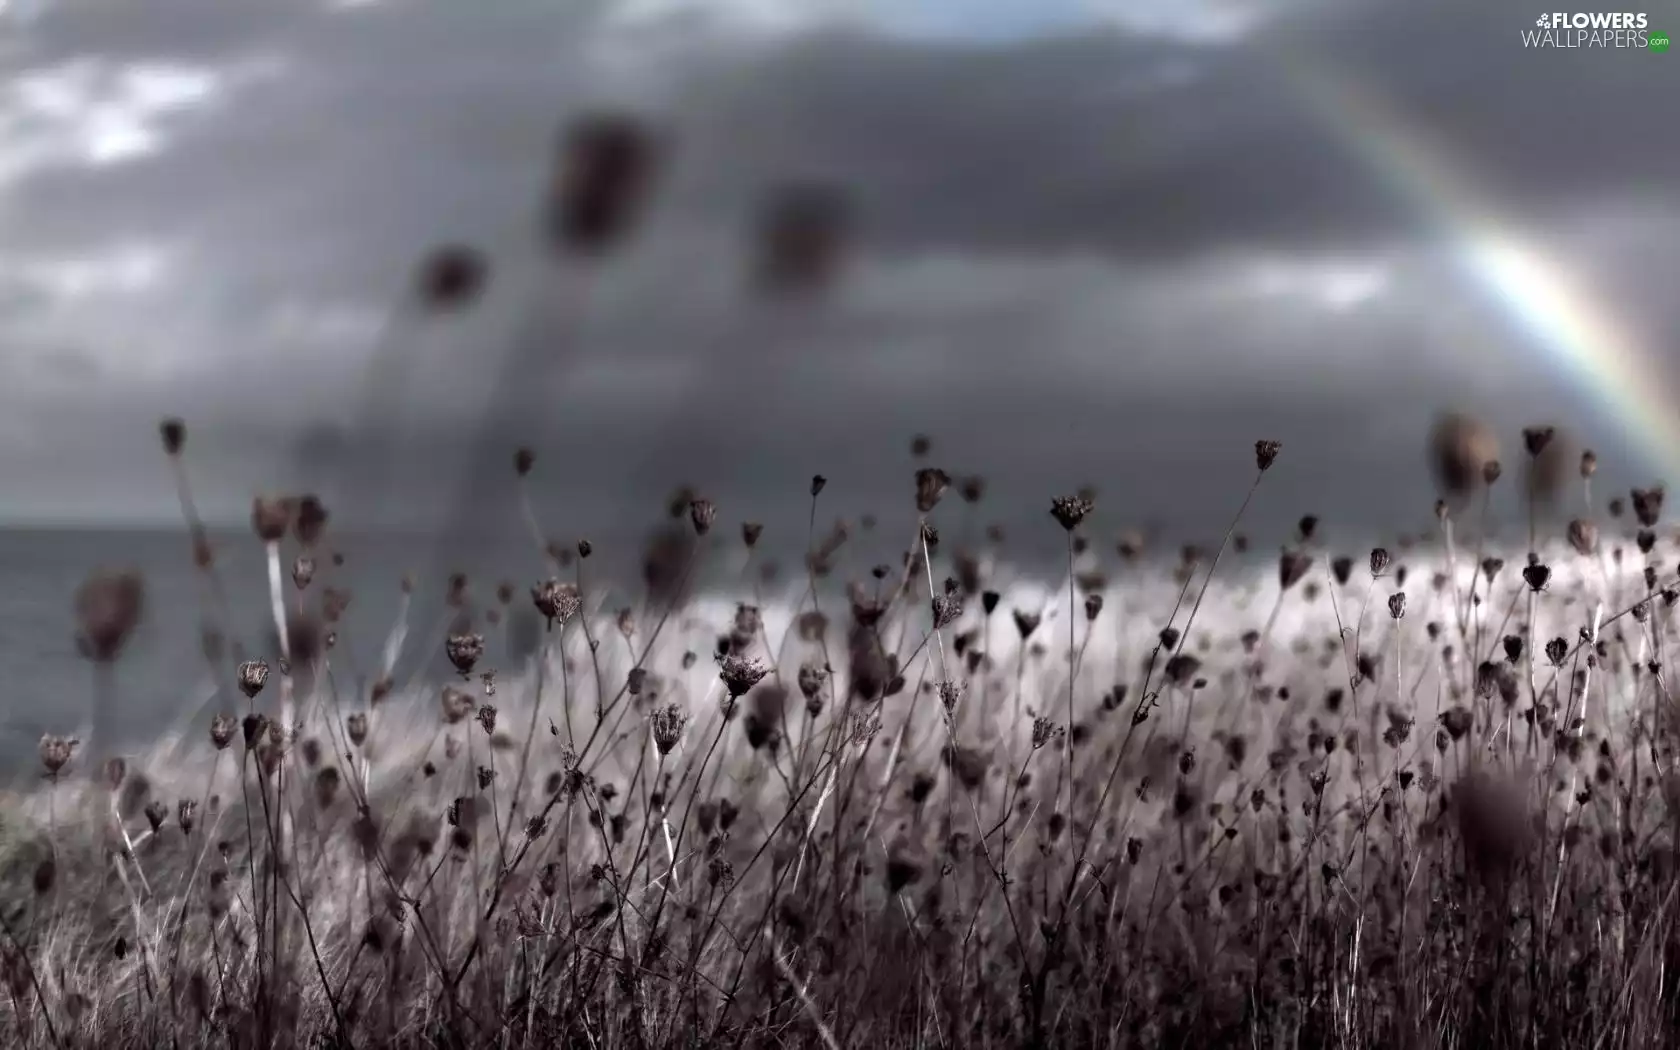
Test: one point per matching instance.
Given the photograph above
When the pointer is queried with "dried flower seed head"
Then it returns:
(668, 724)
(271, 518)
(950, 694)
(108, 606)
(174, 434)
(1380, 561)
(1589, 463)
(1491, 471)
(811, 679)
(1181, 669)
(931, 483)
(221, 731)
(702, 513)
(356, 728)
(186, 814)
(1397, 604)
(1070, 511)
(1536, 576)
(1093, 606)
(1044, 731)
(989, 601)
(1026, 622)
(1459, 449)
(487, 718)
(458, 705)
(802, 239)
(1583, 536)
(1342, 569)
(1266, 453)
(750, 533)
(1292, 567)
(557, 601)
(156, 813)
(464, 650)
(253, 675)
(1647, 505)
(309, 520)
(606, 170)
(1556, 651)
(449, 278)
(303, 571)
(1535, 439)
(947, 609)
(56, 752)
(739, 674)
(115, 771)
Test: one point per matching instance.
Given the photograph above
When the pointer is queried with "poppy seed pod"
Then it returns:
(600, 187)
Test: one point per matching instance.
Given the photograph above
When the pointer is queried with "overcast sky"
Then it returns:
(1099, 240)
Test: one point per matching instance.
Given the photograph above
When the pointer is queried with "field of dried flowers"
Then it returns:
(1405, 797)
(1418, 797)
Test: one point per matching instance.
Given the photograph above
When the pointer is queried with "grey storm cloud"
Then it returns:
(1103, 256)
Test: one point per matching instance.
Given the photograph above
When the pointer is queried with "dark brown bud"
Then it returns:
(802, 239)
(271, 518)
(702, 513)
(108, 608)
(451, 277)
(174, 434)
(602, 182)
(931, 483)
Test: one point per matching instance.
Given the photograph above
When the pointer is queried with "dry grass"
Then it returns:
(1424, 800)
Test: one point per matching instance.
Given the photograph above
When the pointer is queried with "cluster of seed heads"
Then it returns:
(464, 650)
(668, 723)
(1071, 511)
(253, 676)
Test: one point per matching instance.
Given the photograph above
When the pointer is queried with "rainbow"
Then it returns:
(1603, 355)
